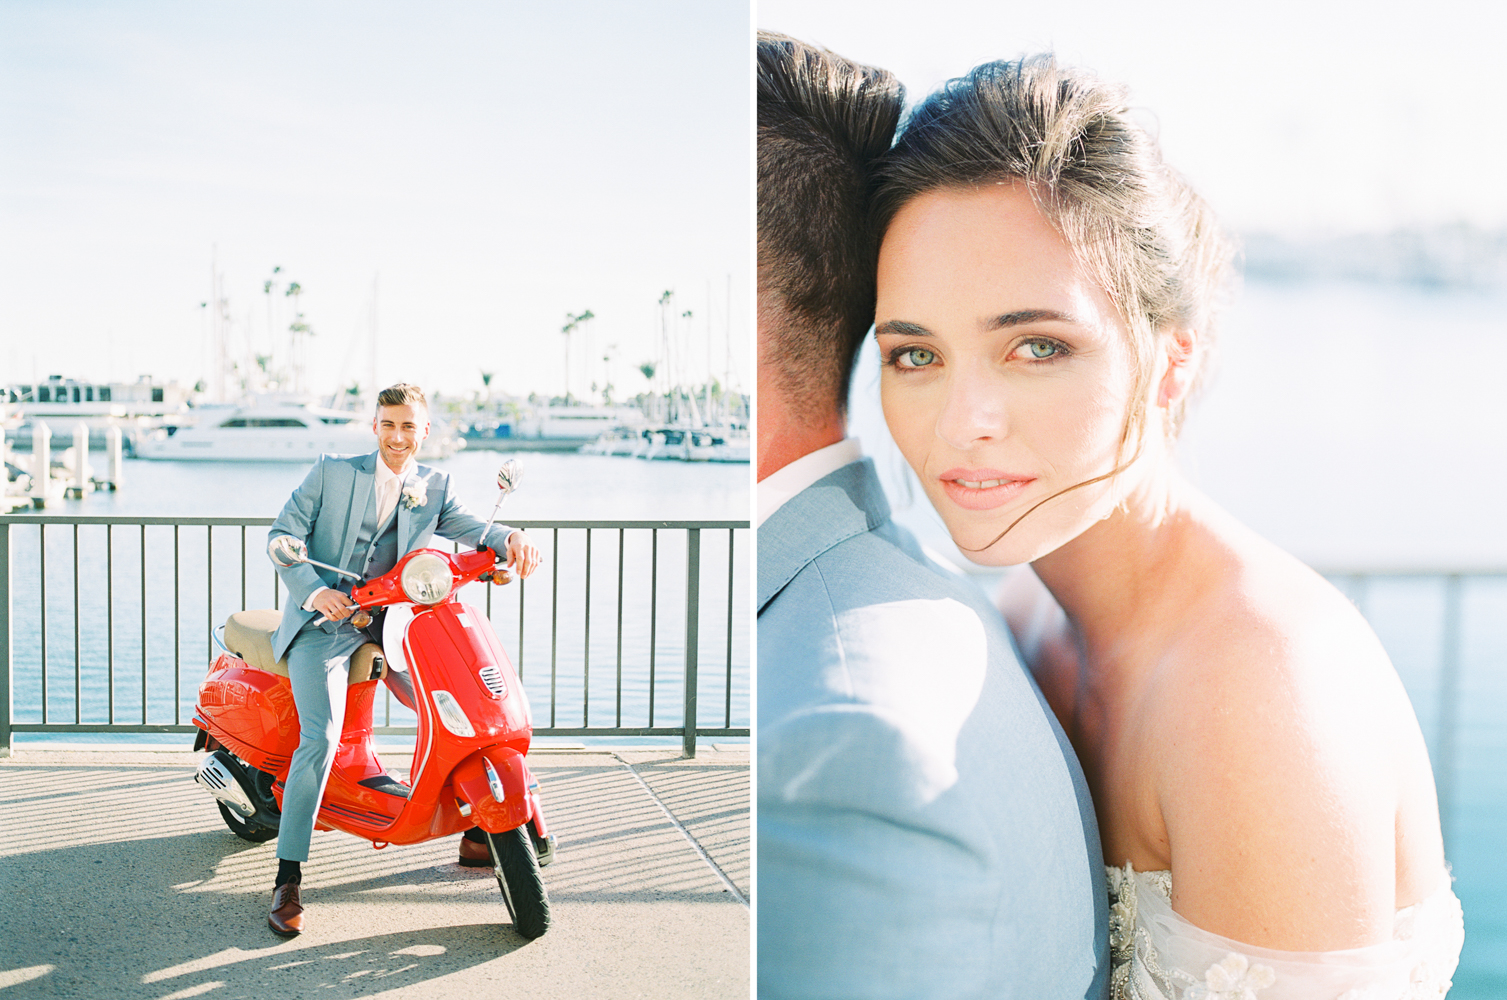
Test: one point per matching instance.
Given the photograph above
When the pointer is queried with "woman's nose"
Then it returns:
(973, 410)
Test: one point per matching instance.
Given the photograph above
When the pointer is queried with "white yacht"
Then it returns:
(694, 444)
(261, 432)
(277, 432)
(582, 424)
(730, 446)
(618, 441)
(558, 427)
(137, 408)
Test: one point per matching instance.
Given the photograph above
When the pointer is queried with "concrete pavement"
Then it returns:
(119, 879)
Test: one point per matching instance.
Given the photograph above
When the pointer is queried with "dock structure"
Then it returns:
(121, 880)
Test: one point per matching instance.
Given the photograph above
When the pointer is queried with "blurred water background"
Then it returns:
(174, 642)
(1362, 426)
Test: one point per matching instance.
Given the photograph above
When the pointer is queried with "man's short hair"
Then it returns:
(823, 120)
(402, 394)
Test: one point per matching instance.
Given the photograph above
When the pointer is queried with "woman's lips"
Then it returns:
(983, 489)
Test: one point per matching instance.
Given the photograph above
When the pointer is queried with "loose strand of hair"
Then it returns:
(1087, 482)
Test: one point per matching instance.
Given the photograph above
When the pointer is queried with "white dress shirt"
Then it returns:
(389, 485)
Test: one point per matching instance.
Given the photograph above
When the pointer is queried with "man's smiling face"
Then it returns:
(400, 430)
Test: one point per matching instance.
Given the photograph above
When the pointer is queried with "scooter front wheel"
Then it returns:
(517, 870)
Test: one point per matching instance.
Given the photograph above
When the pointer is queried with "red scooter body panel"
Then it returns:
(453, 643)
(252, 712)
(449, 646)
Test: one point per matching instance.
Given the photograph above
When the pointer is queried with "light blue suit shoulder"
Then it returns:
(923, 828)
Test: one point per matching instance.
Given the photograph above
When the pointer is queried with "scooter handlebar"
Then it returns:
(465, 567)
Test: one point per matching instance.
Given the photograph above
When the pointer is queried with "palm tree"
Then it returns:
(607, 373)
(583, 320)
(572, 324)
(268, 287)
(666, 303)
(299, 329)
(568, 329)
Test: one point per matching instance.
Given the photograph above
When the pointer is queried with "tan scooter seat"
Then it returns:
(248, 634)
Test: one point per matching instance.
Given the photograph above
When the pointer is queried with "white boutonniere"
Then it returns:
(415, 493)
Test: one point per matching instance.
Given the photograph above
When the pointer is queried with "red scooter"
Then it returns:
(474, 730)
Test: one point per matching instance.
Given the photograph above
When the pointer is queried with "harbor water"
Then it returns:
(573, 628)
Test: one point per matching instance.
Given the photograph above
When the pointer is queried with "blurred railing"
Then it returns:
(1432, 622)
(125, 603)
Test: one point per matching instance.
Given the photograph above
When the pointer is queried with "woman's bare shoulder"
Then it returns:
(1280, 723)
(1268, 650)
(1264, 628)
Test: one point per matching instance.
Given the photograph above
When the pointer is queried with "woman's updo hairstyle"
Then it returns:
(1135, 224)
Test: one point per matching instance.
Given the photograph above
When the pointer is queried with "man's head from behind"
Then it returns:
(823, 120)
(401, 424)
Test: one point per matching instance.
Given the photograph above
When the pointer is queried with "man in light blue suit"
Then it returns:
(361, 513)
(924, 829)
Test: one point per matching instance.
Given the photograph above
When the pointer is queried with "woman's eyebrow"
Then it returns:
(1023, 316)
(900, 328)
(903, 328)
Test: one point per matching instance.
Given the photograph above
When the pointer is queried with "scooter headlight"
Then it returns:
(427, 579)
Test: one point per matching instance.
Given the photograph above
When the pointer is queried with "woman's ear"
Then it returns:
(1179, 347)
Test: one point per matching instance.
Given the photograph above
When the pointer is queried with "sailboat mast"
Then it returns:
(727, 343)
(372, 320)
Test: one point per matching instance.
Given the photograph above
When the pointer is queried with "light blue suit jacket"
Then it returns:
(924, 829)
(326, 511)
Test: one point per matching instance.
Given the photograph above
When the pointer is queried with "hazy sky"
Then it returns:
(492, 167)
(1289, 115)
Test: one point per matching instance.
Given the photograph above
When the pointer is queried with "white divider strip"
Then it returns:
(737, 894)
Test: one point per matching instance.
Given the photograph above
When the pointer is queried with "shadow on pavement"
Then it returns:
(118, 879)
(124, 919)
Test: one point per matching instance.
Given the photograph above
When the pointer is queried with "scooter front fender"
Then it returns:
(474, 786)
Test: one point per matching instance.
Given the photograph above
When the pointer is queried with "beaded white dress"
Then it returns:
(1157, 955)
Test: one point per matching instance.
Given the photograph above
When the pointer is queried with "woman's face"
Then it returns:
(1007, 370)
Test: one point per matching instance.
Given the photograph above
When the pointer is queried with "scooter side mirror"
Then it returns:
(287, 551)
(509, 475)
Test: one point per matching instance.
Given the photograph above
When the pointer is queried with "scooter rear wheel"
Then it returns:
(258, 784)
(517, 870)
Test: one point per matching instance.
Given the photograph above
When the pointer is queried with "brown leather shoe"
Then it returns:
(286, 917)
(474, 855)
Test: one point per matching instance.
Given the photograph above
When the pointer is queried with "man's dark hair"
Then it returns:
(402, 394)
(823, 121)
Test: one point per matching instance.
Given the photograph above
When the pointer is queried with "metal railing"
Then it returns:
(643, 592)
(1449, 590)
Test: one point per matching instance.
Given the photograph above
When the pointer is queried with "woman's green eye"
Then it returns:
(1040, 349)
(916, 357)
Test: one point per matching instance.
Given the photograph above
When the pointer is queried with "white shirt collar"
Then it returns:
(385, 475)
(780, 486)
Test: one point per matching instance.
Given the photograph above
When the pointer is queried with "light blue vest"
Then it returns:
(376, 549)
(375, 552)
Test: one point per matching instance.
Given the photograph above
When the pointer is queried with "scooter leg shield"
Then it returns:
(498, 768)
